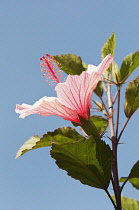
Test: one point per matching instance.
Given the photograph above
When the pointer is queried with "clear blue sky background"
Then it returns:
(29, 30)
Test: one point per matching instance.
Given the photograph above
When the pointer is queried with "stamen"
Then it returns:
(51, 69)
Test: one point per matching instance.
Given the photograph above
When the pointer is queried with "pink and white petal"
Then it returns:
(25, 109)
(69, 93)
(105, 64)
(56, 108)
(76, 91)
(48, 106)
(91, 68)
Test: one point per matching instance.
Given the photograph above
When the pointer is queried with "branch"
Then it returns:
(111, 122)
(103, 104)
(118, 111)
(111, 199)
(127, 120)
(114, 147)
(124, 183)
(115, 97)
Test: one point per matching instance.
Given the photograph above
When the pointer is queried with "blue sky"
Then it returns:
(29, 30)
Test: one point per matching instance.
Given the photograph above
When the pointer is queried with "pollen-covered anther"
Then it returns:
(50, 69)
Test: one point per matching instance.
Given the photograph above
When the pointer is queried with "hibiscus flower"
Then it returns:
(73, 96)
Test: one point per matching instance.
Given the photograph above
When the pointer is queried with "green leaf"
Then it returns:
(85, 65)
(109, 46)
(135, 182)
(101, 123)
(132, 98)
(99, 89)
(133, 177)
(130, 63)
(116, 73)
(70, 64)
(135, 170)
(59, 136)
(128, 203)
(88, 161)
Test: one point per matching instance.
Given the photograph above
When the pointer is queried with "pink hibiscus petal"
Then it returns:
(47, 106)
(105, 64)
(76, 91)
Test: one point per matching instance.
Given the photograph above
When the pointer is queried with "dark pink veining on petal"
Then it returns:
(50, 69)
